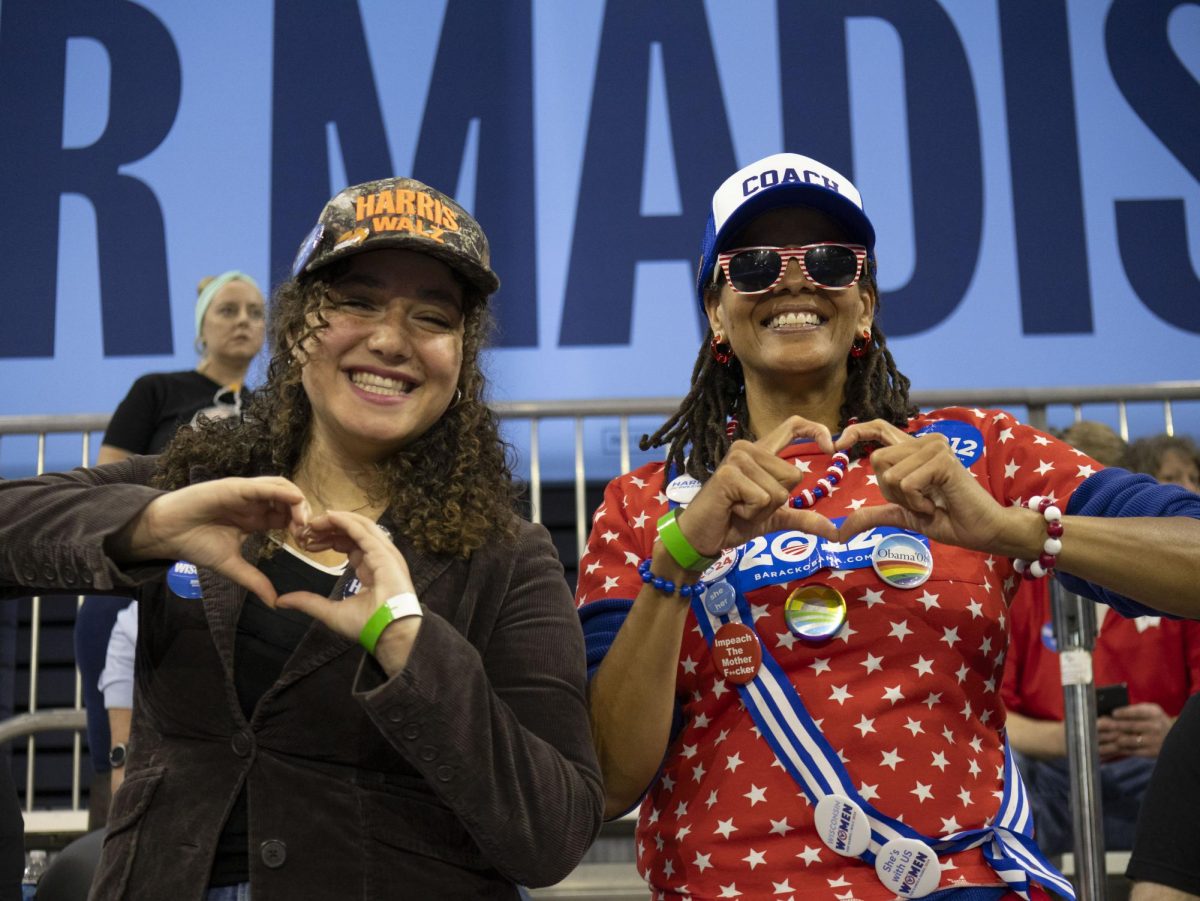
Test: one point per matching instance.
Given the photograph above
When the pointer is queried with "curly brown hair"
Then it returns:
(697, 435)
(1097, 440)
(1146, 454)
(449, 491)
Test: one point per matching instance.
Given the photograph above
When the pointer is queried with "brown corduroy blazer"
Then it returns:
(467, 773)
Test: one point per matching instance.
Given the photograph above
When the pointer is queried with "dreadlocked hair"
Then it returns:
(714, 414)
(448, 491)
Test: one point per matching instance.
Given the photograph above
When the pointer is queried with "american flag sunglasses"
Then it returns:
(752, 270)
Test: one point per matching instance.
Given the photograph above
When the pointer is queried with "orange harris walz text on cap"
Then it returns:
(400, 202)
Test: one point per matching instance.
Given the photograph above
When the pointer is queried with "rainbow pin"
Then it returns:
(815, 612)
(902, 560)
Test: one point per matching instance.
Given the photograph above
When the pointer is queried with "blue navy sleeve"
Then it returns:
(1116, 492)
(601, 621)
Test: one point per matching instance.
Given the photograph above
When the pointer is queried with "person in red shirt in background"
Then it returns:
(1157, 659)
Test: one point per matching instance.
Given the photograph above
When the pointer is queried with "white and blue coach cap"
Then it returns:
(783, 179)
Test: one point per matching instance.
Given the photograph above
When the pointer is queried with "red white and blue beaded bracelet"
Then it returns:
(833, 475)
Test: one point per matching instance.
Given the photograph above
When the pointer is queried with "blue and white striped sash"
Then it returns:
(802, 749)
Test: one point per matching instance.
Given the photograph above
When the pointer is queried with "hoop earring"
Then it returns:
(721, 351)
(200, 345)
(861, 345)
(458, 395)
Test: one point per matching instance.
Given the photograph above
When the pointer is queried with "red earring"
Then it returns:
(721, 351)
(861, 344)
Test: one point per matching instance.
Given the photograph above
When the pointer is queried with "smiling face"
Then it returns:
(235, 323)
(795, 329)
(385, 368)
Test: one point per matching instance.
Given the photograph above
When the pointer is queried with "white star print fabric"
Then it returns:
(907, 691)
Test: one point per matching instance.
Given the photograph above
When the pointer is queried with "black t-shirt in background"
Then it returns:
(160, 403)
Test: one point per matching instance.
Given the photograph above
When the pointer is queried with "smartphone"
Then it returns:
(1110, 697)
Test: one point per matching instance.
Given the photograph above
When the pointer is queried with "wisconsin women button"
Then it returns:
(842, 825)
(184, 581)
(736, 653)
(815, 612)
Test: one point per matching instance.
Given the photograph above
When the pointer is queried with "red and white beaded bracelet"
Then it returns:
(1053, 545)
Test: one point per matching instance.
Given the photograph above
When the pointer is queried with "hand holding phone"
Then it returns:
(1110, 697)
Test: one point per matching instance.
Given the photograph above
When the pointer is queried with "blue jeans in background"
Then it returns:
(1122, 785)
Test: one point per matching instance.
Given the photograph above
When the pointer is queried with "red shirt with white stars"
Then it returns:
(909, 690)
(1158, 658)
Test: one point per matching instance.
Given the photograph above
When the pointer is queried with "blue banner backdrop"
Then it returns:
(1031, 166)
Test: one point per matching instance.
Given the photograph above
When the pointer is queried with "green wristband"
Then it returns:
(394, 608)
(678, 546)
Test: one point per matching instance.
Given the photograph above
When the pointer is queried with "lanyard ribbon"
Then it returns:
(1007, 844)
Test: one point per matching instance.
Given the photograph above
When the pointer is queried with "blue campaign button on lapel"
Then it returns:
(184, 581)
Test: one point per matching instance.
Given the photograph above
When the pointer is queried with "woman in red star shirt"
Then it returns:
(904, 697)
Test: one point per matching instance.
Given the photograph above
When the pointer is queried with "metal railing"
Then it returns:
(1040, 406)
(74, 720)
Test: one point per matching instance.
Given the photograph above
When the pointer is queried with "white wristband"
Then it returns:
(398, 606)
(404, 604)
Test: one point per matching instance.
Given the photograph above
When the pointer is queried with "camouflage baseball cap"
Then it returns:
(402, 213)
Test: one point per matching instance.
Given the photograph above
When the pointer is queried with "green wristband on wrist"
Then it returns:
(396, 607)
(678, 546)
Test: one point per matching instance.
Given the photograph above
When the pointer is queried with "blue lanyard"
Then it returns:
(813, 763)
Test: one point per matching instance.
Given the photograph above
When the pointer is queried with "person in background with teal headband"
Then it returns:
(797, 621)
(230, 327)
